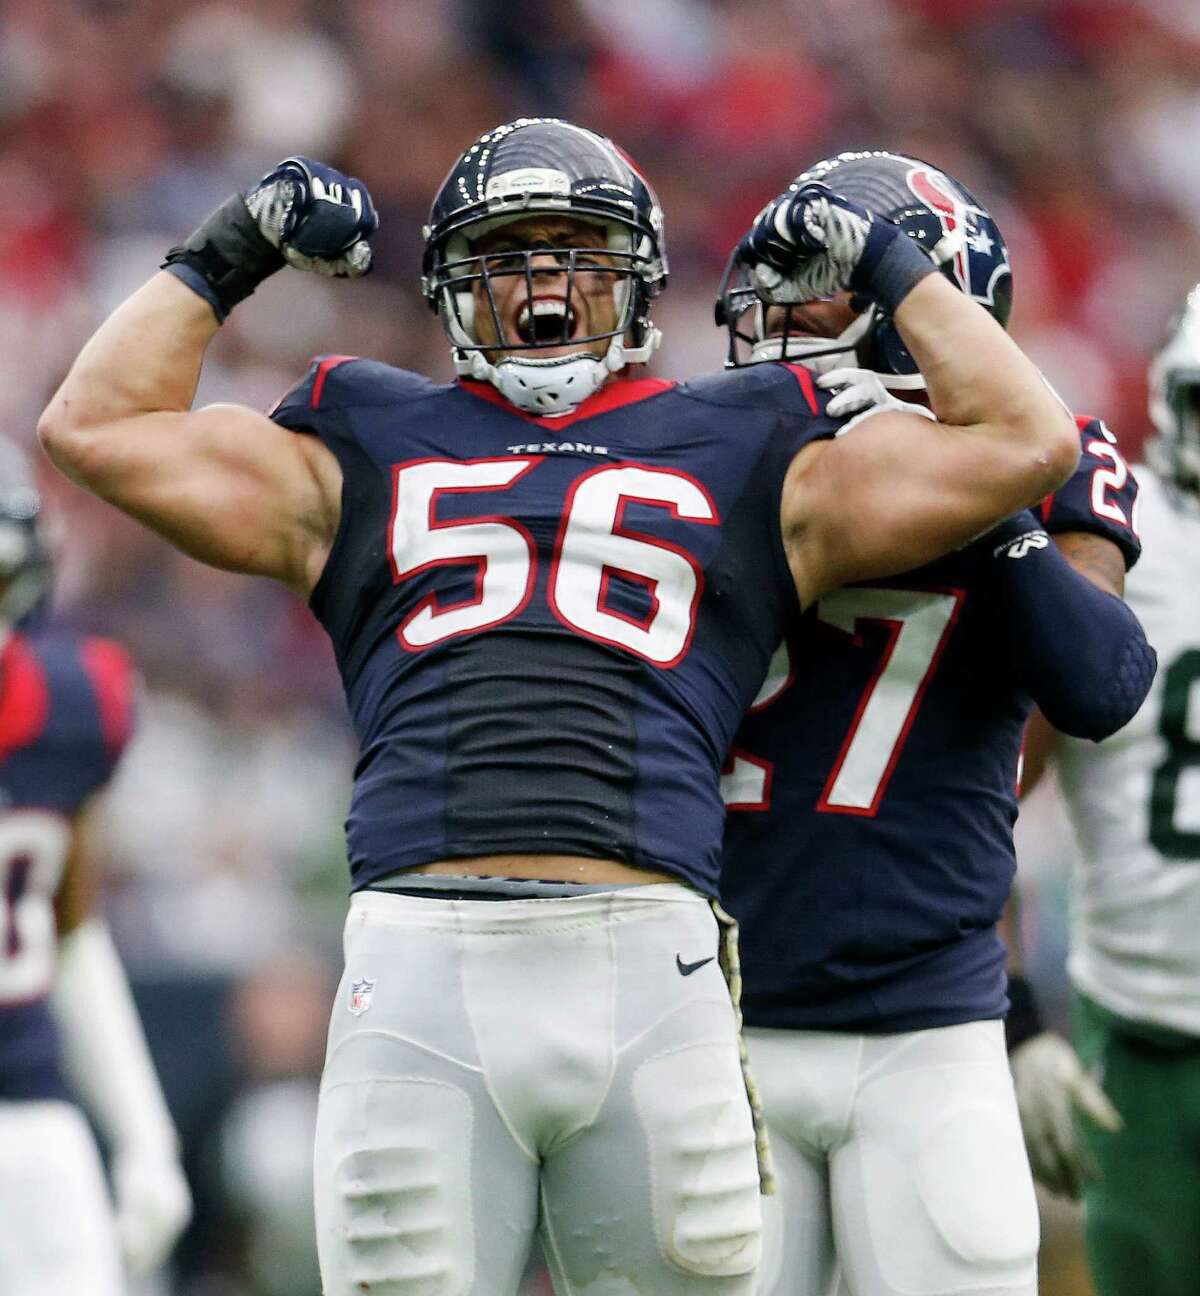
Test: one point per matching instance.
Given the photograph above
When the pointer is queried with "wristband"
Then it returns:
(1024, 1019)
(226, 258)
(891, 266)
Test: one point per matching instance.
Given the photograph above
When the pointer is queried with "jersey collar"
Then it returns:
(615, 394)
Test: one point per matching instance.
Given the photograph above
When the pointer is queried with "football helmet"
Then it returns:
(24, 552)
(544, 166)
(1175, 400)
(940, 214)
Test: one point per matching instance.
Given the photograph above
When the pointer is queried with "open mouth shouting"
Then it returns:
(545, 321)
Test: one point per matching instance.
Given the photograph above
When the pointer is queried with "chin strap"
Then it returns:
(552, 387)
(818, 355)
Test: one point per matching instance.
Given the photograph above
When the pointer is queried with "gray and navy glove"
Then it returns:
(1054, 1093)
(302, 213)
(810, 243)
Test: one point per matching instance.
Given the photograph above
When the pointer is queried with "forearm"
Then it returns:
(104, 1047)
(1078, 650)
(979, 381)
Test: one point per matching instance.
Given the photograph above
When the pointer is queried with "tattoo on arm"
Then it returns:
(1094, 557)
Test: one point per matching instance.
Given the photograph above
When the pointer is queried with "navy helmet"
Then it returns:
(24, 552)
(934, 210)
(1174, 450)
(530, 167)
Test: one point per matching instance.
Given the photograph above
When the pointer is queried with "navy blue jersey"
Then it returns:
(872, 793)
(65, 715)
(548, 629)
(1101, 497)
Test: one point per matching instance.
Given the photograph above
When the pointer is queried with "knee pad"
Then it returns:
(703, 1164)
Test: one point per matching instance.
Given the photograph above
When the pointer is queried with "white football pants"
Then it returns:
(57, 1233)
(899, 1158)
(576, 1058)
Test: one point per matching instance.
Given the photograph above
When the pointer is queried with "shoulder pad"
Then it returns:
(93, 685)
(83, 693)
(775, 386)
(1100, 496)
(341, 381)
(114, 682)
(25, 693)
(770, 385)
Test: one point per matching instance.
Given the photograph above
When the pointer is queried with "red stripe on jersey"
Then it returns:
(1047, 507)
(612, 396)
(323, 371)
(24, 697)
(111, 673)
(804, 378)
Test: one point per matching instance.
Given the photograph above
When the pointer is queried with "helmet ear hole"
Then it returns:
(1002, 295)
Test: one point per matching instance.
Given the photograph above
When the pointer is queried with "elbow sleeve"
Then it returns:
(1078, 650)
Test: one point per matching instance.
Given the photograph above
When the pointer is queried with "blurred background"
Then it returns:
(123, 122)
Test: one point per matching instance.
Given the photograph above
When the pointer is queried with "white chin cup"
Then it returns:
(549, 387)
(554, 385)
(544, 387)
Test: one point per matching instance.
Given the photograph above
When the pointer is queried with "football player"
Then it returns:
(1134, 961)
(67, 1021)
(553, 588)
(872, 793)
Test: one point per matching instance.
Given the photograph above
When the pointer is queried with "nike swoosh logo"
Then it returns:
(686, 969)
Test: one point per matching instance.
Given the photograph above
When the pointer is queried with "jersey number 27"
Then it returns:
(918, 623)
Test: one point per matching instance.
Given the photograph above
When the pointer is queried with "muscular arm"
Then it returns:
(899, 490)
(1075, 647)
(1101, 562)
(1094, 557)
(223, 483)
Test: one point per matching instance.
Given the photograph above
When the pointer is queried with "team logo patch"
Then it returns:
(360, 995)
(528, 180)
(953, 214)
(1023, 544)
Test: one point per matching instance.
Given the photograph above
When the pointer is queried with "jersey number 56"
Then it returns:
(594, 544)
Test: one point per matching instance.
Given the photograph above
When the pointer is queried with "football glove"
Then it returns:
(859, 390)
(1053, 1090)
(319, 219)
(302, 214)
(153, 1206)
(810, 243)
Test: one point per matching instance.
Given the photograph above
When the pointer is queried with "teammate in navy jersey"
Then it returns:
(553, 590)
(872, 791)
(67, 1022)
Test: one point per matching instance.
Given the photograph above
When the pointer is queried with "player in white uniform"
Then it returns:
(1134, 963)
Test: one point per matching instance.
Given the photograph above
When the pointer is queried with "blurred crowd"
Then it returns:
(123, 122)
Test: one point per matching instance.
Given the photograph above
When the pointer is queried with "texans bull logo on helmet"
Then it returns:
(974, 254)
(936, 211)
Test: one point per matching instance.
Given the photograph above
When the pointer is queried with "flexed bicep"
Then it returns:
(232, 489)
(224, 484)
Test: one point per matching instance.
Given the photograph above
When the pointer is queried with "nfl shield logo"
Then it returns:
(360, 995)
